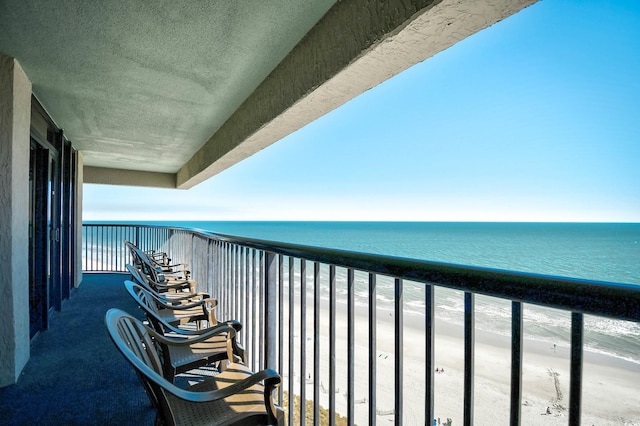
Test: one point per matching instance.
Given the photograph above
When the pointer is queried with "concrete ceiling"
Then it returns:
(168, 93)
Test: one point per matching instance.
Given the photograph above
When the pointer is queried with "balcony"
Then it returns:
(361, 351)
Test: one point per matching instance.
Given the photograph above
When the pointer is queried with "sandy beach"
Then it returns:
(611, 386)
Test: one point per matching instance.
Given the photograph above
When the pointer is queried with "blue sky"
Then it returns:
(536, 118)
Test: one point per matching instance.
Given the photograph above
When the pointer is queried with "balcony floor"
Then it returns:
(75, 374)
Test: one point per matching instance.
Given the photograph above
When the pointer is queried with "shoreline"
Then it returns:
(610, 394)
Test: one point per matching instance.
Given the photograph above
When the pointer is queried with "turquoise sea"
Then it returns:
(603, 252)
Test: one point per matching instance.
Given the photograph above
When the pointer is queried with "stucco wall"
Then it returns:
(15, 116)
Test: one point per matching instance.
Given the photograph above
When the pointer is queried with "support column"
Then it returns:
(15, 119)
(79, 180)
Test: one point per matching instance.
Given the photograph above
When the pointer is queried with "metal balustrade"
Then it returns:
(285, 296)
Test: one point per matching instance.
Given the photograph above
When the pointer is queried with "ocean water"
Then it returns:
(604, 252)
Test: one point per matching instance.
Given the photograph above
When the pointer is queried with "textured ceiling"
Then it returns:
(168, 93)
(135, 80)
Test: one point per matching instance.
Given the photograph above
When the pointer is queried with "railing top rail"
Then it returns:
(602, 298)
(608, 299)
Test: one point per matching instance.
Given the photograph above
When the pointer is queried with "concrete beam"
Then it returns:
(357, 45)
(103, 175)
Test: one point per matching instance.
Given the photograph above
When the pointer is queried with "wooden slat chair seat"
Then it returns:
(252, 400)
(236, 396)
(199, 311)
(204, 347)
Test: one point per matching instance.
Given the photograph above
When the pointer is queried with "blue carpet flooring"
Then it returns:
(75, 375)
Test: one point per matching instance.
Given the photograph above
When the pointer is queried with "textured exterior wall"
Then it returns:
(15, 117)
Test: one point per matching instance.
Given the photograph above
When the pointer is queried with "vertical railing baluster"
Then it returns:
(270, 319)
(91, 251)
(102, 248)
(254, 358)
(303, 340)
(261, 315)
(372, 349)
(95, 251)
(231, 295)
(210, 266)
(469, 340)
(332, 345)
(398, 328)
(350, 347)
(280, 344)
(575, 385)
(215, 269)
(112, 248)
(87, 244)
(516, 362)
(239, 273)
(119, 249)
(247, 296)
(224, 283)
(241, 289)
(429, 335)
(219, 282)
(291, 334)
(230, 281)
(236, 277)
(119, 245)
(316, 342)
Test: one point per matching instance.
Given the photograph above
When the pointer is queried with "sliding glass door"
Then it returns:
(41, 209)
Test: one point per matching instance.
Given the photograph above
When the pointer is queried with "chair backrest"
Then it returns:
(142, 261)
(141, 278)
(133, 249)
(135, 342)
(148, 302)
(133, 339)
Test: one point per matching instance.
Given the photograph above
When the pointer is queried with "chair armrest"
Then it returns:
(186, 297)
(163, 279)
(195, 336)
(175, 265)
(192, 302)
(175, 285)
(270, 378)
(237, 326)
(192, 338)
